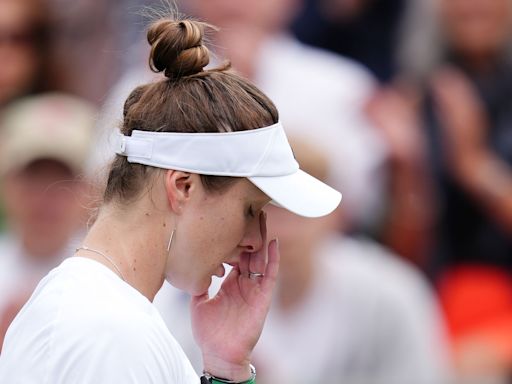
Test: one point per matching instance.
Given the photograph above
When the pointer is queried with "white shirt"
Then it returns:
(83, 324)
(20, 272)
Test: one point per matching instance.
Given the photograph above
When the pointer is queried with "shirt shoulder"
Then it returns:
(93, 327)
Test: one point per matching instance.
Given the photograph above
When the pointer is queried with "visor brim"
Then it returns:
(299, 193)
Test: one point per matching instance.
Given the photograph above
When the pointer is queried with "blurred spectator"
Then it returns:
(368, 316)
(24, 30)
(459, 52)
(44, 142)
(364, 30)
(318, 94)
(84, 54)
(410, 211)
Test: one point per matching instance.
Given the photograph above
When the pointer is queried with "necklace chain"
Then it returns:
(86, 248)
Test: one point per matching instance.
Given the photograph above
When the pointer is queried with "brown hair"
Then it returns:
(190, 99)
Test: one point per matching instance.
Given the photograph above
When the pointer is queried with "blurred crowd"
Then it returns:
(403, 106)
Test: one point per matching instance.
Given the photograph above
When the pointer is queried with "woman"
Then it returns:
(184, 196)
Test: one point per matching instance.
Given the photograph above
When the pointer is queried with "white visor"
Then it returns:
(262, 155)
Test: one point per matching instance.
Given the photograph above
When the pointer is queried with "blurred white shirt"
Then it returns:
(369, 318)
(20, 272)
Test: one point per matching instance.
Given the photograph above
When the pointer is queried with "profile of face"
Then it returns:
(18, 52)
(212, 228)
(476, 27)
(42, 204)
(267, 14)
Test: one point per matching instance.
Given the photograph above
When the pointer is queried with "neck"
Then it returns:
(133, 242)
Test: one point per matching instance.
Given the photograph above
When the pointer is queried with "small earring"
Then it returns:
(170, 240)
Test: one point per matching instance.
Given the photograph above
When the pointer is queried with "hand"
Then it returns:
(463, 121)
(227, 326)
(394, 111)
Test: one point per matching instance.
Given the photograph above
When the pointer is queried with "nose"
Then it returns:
(253, 238)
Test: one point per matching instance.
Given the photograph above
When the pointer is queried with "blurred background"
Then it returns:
(404, 106)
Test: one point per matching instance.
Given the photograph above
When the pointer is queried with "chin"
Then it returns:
(198, 289)
(192, 287)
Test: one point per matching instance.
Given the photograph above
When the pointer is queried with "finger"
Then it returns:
(272, 269)
(231, 278)
(244, 263)
(258, 259)
(197, 300)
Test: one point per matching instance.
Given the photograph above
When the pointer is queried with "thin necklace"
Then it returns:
(86, 248)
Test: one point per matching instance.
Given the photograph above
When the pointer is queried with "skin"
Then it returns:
(210, 229)
(18, 57)
(473, 164)
(244, 26)
(394, 111)
(42, 203)
(270, 15)
(477, 29)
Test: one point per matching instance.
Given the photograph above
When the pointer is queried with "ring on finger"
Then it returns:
(255, 275)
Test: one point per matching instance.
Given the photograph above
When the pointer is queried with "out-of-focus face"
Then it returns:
(477, 27)
(215, 228)
(268, 14)
(18, 55)
(42, 210)
(298, 236)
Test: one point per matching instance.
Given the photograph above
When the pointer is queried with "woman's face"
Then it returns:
(477, 27)
(214, 228)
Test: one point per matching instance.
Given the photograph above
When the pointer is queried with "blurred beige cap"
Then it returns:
(49, 126)
(310, 156)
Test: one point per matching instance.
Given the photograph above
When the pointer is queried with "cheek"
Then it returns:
(226, 233)
(211, 239)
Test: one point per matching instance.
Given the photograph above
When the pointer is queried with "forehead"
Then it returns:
(245, 190)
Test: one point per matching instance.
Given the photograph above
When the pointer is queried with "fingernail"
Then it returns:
(277, 242)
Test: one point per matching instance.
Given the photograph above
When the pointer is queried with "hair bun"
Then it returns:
(177, 47)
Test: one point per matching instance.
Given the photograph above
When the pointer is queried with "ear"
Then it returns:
(179, 188)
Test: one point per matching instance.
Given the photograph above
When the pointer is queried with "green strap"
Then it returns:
(218, 381)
